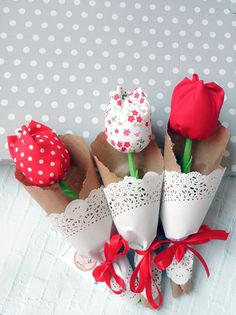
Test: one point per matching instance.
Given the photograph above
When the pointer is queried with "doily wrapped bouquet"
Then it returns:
(112, 202)
(194, 147)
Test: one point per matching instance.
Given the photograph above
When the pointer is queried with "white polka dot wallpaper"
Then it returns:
(59, 59)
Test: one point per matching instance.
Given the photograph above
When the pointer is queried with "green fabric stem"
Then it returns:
(187, 158)
(132, 168)
(65, 188)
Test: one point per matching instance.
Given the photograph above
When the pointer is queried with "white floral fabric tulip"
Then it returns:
(128, 120)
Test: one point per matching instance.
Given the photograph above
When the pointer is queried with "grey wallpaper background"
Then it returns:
(60, 58)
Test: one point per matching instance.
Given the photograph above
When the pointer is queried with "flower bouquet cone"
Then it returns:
(192, 176)
(133, 189)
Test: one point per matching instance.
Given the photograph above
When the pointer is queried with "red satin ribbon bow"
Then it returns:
(179, 248)
(117, 248)
(143, 272)
(162, 260)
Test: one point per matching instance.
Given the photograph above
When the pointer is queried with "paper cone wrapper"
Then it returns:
(134, 203)
(186, 200)
(187, 197)
(81, 178)
(85, 223)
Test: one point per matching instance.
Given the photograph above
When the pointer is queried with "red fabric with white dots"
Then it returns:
(39, 154)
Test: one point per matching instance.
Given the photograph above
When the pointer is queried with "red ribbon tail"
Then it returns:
(149, 294)
(201, 259)
(118, 280)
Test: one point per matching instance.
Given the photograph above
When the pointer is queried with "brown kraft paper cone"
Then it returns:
(81, 178)
(207, 155)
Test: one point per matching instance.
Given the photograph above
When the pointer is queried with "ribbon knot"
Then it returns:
(142, 277)
(177, 249)
(117, 248)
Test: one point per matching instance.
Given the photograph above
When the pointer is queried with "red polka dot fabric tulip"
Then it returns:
(195, 108)
(128, 120)
(39, 154)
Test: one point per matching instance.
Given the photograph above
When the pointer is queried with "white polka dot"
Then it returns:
(29, 169)
(123, 5)
(159, 96)
(51, 174)
(11, 116)
(167, 7)
(61, 119)
(229, 59)
(206, 71)
(151, 82)
(44, 25)
(2, 130)
(232, 111)
(53, 152)
(128, 68)
(233, 139)
(230, 85)
(54, 104)
(30, 158)
(175, 70)
(40, 172)
(42, 150)
(58, 51)
(182, 8)
(42, 50)
(213, 58)
(190, 45)
(222, 71)
(226, 153)
(40, 76)
(95, 120)
(198, 58)
(56, 77)
(37, 104)
(70, 105)
(7, 75)
(47, 91)
(104, 80)
(52, 163)
(17, 62)
(85, 134)
(4, 102)
(78, 119)
(63, 91)
(81, 65)
(160, 123)
(31, 90)
(190, 21)
(167, 83)
(79, 92)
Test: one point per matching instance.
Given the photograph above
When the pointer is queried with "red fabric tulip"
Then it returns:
(39, 154)
(195, 108)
